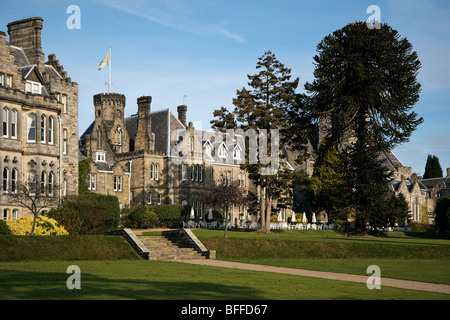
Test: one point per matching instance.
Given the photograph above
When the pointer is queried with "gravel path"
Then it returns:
(405, 284)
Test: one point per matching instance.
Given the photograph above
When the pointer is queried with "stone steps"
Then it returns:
(163, 249)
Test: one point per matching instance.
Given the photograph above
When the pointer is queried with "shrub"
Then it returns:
(44, 226)
(170, 216)
(143, 217)
(421, 227)
(98, 213)
(4, 229)
(442, 218)
(68, 217)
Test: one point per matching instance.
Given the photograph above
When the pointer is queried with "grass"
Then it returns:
(399, 255)
(144, 280)
(35, 267)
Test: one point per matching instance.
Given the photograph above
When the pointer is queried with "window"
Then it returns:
(5, 122)
(2, 79)
(152, 168)
(31, 128)
(92, 179)
(65, 138)
(99, 138)
(5, 214)
(5, 180)
(43, 182)
(14, 176)
(149, 198)
(117, 183)
(192, 172)
(196, 173)
(159, 199)
(15, 214)
(64, 102)
(118, 139)
(156, 172)
(51, 181)
(32, 182)
(43, 128)
(14, 124)
(222, 151)
(33, 87)
(9, 81)
(101, 156)
(64, 188)
(237, 153)
(50, 130)
(200, 177)
(184, 172)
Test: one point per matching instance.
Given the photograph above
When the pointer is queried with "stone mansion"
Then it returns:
(151, 158)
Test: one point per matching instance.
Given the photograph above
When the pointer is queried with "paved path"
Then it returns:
(405, 284)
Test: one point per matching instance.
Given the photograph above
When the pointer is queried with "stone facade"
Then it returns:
(159, 159)
(39, 116)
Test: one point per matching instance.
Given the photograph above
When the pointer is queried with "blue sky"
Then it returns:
(204, 49)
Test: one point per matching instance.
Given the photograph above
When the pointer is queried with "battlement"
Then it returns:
(114, 99)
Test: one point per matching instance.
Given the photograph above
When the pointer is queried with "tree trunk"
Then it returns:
(262, 204)
(34, 224)
(268, 211)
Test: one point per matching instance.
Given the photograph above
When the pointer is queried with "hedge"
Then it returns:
(164, 216)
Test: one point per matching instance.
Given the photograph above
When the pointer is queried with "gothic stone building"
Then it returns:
(156, 158)
(39, 117)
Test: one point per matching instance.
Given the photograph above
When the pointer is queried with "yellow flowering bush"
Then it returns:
(44, 226)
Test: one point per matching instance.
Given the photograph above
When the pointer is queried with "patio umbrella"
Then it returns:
(326, 218)
(304, 218)
(293, 219)
(279, 217)
(192, 216)
(210, 214)
(314, 217)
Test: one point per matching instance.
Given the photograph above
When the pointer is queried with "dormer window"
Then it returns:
(33, 87)
(100, 156)
(237, 153)
(223, 151)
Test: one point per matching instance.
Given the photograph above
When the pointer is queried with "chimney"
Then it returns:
(26, 34)
(448, 172)
(144, 137)
(182, 114)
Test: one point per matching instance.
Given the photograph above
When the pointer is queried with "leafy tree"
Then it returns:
(433, 168)
(225, 195)
(264, 106)
(35, 195)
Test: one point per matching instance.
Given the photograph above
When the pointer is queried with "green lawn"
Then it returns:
(176, 281)
(399, 255)
(39, 269)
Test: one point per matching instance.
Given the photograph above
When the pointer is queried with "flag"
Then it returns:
(106, 61)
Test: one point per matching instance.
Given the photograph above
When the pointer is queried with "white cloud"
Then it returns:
(173, 14)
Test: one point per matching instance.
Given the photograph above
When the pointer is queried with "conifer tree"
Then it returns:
(264, 106)
(433, 168)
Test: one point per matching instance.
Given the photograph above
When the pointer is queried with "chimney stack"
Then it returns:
(144, 137)
(448, 172)
(26, 34)
(182, 114)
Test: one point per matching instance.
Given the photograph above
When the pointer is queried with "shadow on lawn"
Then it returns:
(20, 285)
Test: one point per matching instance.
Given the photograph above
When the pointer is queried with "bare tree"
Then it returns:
(34, 194)
(225, 195)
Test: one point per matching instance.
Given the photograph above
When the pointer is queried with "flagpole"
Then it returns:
(109, 81)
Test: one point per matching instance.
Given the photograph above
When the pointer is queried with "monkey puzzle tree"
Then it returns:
(364, 89)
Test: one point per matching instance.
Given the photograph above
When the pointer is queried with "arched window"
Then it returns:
(32, 182)
(192, 172)
(5, 180)
(43, 128)
(43, 182)
(51, 181)
(14, 176)
(31, 128)
(5, 122)
(152, 173)
(14, 124)
(51, 134)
